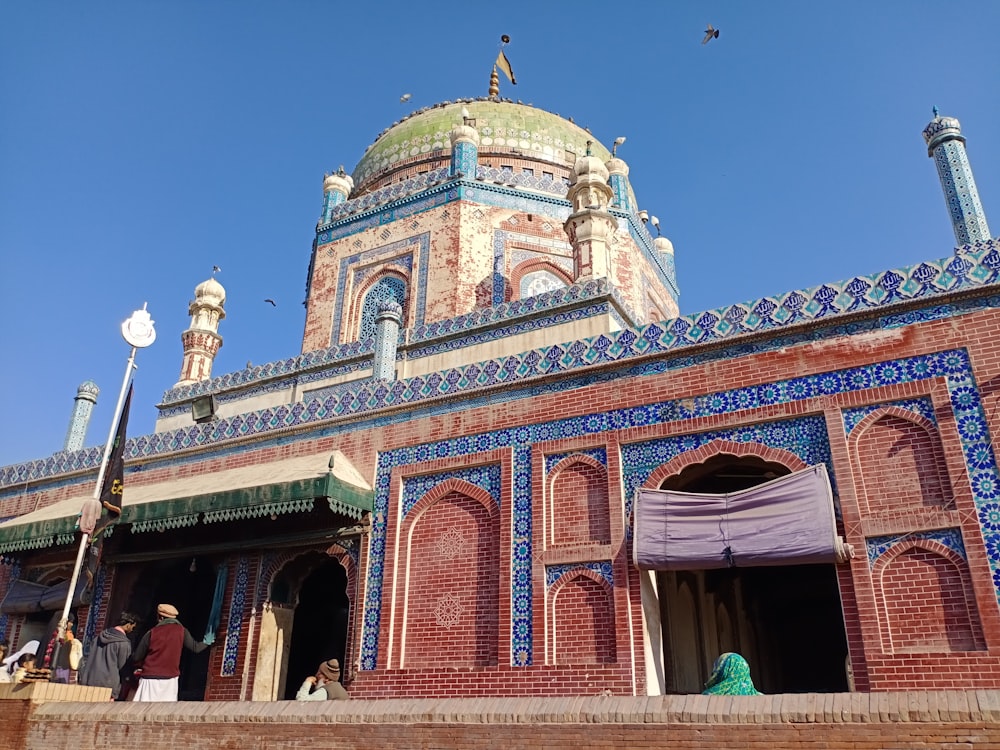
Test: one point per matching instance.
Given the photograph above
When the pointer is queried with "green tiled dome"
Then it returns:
(502, 126)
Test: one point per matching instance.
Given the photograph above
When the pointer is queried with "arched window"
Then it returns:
(388, 287)
(539, 282)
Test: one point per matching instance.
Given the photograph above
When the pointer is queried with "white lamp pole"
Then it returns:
(137, 331)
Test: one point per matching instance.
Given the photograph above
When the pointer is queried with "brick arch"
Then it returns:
(536, 264)
(357, 303)
(578, 502)
(723, 447)
(582, 606)
(269, 575)
(450, 577)
(900, 461)
(448, 486)
(925, 599)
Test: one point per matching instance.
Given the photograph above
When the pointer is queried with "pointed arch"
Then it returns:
(719, 448)
(537, 276)
(582, 614)
(578, 502)
(925, 599)
(900, 461)
(387, 284)
(451, 578)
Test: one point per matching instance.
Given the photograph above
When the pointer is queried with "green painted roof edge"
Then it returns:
(343, 498)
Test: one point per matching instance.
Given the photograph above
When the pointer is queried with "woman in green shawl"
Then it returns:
(730, 676)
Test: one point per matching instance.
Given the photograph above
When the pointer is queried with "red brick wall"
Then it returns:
(926, 603)
(900, 721)
(583, 621)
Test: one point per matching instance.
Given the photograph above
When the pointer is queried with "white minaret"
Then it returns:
(202, 340)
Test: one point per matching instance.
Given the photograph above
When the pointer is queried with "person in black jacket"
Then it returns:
(108, 655)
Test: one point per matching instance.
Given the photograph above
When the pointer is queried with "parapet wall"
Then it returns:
(859, 721)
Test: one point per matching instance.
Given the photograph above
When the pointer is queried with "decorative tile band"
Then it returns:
(950, 538)
(236, 606)
(90, 629)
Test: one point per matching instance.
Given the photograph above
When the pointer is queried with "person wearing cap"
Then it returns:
(324, 685)
(158, 656)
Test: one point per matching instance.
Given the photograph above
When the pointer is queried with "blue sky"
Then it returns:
(143, 142)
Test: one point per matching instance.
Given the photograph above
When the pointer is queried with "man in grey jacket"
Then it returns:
(108, 654)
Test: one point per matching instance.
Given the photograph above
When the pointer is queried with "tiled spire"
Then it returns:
(946, 145)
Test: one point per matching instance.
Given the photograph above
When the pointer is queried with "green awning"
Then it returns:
(287, 486)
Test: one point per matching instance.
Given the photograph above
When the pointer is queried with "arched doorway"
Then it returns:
(317, 586)
(189, 584)
(786, 620)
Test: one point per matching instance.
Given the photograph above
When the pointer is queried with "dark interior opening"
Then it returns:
(189, 584)
(787, 621)
(319, 629)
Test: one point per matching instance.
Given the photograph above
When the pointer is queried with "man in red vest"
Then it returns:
(158, 656)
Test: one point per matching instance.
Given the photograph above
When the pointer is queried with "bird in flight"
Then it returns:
(405, 98)
(710, 33)
(271, 302)
(215, 270)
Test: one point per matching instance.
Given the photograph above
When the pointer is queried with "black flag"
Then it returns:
(114, 476)
(112, 488)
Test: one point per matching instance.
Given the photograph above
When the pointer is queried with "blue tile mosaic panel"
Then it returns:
(90, 628)
(950, 538)
(485, 477)
(602, 568)
(15, 573)
(920, 406)
(236, 607)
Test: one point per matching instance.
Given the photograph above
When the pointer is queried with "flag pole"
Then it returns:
(137, 331)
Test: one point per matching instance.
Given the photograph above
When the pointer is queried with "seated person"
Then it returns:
(324, 685)
(730, 676)
(25, 663)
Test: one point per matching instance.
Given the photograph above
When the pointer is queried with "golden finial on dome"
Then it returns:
(494, 83)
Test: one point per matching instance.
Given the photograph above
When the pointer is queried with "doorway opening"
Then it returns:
(787, 620)
(189, 584)
(322, 615)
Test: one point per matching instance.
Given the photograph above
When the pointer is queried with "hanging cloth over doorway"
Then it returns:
(787, 521)
(216, 612)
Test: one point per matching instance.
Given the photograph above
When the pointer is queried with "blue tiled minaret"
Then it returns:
(83, 407)
(946, 145)
(336, 189)
(387, 323)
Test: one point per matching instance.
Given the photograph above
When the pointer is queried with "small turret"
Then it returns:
(590, 226)
(464, 147)
(201, 340)
(337, 188)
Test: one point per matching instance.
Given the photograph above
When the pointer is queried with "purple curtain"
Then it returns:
(785, 521)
